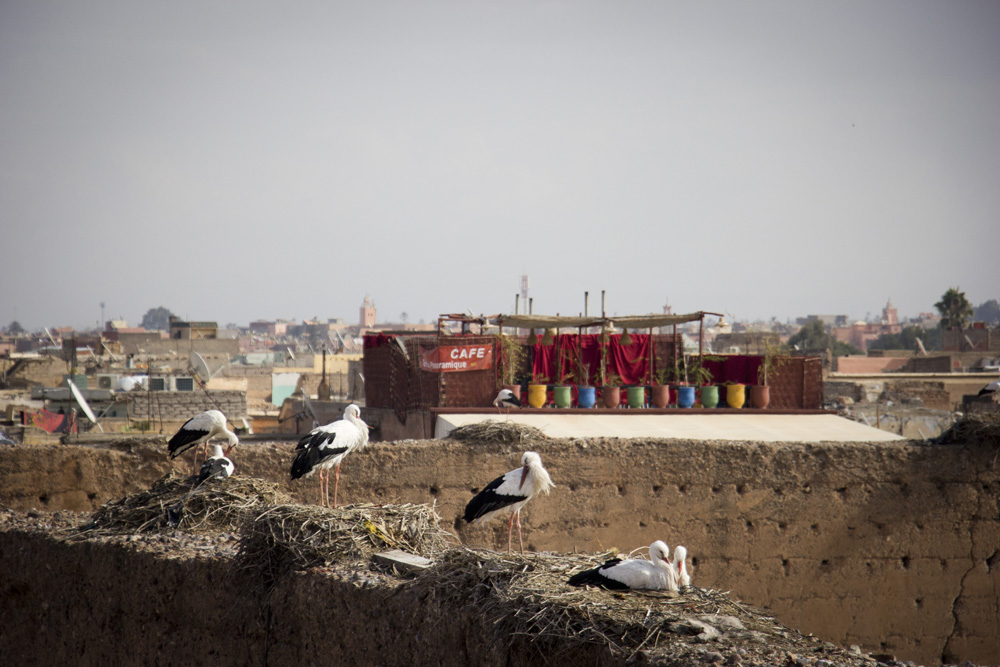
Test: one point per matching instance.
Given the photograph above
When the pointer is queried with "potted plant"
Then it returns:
(611, 391)
(694, 375)
(703, 377)
(512, 356)
(760, 394)
(586, 393)
(660, 392)
(562, 392)
(538, 390)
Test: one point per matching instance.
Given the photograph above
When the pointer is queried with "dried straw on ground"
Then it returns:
(527, 597)
(287, 537)
(497, 432)
(175, 502)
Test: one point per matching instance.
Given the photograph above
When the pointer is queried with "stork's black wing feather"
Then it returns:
(488, 500)
(594, 577)
(184, 439)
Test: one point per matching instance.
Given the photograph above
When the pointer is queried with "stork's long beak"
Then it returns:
(524, 476)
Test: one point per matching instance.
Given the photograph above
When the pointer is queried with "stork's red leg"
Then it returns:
(510, 529)
(519, 538)
(336, 484)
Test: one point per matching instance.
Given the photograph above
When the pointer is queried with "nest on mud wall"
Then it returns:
(179, 502)
(981, 428)
(491, 432)
(289, 537)
(527, 597)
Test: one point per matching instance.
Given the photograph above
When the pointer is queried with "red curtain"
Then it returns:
(558, 362)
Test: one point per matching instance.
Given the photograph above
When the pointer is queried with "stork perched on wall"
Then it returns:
(326, 446)
(509, 493)
(655, 574)
(506, 399)
(198, 431)
(991, 388)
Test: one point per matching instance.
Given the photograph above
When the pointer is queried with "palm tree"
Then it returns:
(955, 309)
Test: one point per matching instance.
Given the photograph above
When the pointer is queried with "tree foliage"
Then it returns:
(813, 338)
(157, 318)
(907, 340)
(955, 309)
(988, 312)
(14, 328)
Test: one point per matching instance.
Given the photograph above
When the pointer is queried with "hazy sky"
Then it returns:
(255, 160)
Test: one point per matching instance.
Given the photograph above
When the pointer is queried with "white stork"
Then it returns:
(680, 565)
(217, 466)
(509, 493)
(198, 431)
(506, 399)
(655, 574)
(991, 388)
(326, 446)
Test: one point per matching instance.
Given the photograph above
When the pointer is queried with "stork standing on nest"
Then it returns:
(198, 431)
(655, 574)
(326, 446)
(509, 493)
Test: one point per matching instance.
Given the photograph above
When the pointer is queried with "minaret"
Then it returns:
(367, 313)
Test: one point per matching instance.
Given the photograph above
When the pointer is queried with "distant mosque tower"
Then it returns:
(890, 315)
(368, 313)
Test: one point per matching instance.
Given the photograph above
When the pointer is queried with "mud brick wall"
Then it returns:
(892, 546)
(932, 395)
(172, 406)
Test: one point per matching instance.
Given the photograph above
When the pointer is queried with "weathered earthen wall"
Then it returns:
(94, 604)
(895, 547)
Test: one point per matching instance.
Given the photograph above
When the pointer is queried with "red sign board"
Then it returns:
(454, 358)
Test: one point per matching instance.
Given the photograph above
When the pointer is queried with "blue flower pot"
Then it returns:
(685, 397)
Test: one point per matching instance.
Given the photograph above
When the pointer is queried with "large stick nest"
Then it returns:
(290, 537)
(179, 502)
(497, 432)
(527, 597)
(980, 428)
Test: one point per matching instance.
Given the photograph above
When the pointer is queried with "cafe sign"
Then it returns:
(454, 358)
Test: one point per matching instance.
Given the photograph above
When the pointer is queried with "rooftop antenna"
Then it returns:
(323, 390)
(291, 353)
(106, 349)
(82, 402)
(309, 407)
(920, 345)
(50, 336)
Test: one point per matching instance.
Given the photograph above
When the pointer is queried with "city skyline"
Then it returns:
(774, 159)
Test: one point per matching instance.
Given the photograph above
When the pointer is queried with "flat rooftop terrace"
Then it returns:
(688, 424)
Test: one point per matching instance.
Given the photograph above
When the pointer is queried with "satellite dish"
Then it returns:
(200, 368)
(82, 402)
(920, 344)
